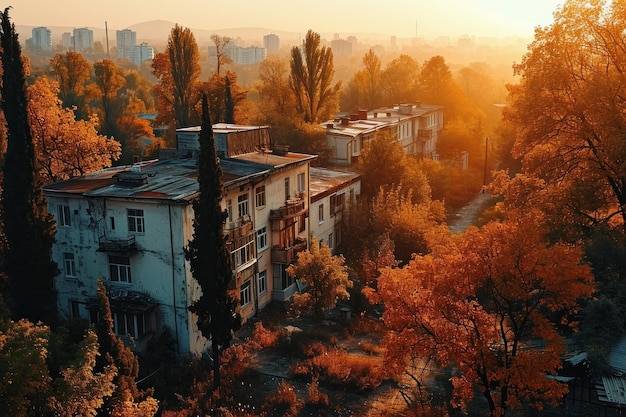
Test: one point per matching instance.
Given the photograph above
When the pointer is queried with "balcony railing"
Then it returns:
(239, 228)
(290, 209)
(286, 255)
(107, 244)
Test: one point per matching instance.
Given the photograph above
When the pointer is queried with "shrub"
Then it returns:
(283, 402)
(263, 337)
(317, 398)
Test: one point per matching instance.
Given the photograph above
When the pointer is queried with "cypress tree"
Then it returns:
(207, 253)
(28, 228)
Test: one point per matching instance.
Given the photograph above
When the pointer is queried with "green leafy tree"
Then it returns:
(382, 164)
(28, 228)
(326, 277)
(311, 78)
(208, 255)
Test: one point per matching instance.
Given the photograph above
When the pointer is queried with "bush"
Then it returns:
(284, 402)
(263, 337)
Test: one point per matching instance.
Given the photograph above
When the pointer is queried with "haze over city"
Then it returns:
(402, 18)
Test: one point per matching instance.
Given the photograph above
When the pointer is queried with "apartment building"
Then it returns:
(41, 40)
(128, 226)
(416, 127)
(82, 40)
(125, 40)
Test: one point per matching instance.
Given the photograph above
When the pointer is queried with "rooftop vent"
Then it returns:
(135, 177)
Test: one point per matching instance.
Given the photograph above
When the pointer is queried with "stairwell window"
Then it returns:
(261, 239)
(244, 294)
(136, 221)
(119, 269)
(70, 265)
(260, 196)
(64, 219)
(262, 282)
(242, 205)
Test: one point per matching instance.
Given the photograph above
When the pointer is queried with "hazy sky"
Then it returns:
(402, 18)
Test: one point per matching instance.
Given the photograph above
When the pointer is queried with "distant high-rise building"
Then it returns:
(271, 43)
(341, 47)
(66, 40)
(141, 53)
(126, 40)
(238, 54)
(42, 39)
(82, 40)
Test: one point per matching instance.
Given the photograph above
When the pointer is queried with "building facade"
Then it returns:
(82, 40)
(126, 40)
(128, 226)
(415, 126)
(141, 53)
(42, 39)
(271, 43)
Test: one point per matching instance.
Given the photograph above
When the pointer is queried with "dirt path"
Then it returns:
(470, 213)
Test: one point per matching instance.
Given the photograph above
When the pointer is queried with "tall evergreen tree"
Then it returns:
(28, 227)
(207, 252)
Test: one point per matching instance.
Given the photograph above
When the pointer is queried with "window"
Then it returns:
(321, 213)
(119, 268)
(230, 210)
(282, 280)
(64, 219)
(261, 239)
(302, 223)
(287, 194)
(244, 294)
(262, 282)
(244, 252)
(112, 223)
(330, 240)
(135, 221)
(301, 188)
(336, 203)
(74, 309)
(338, 237)
(129, 325)
(260, 196)
(70, 265)
(242, 205)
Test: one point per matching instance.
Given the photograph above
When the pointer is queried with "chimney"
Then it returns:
(363, 115)
(345, 121)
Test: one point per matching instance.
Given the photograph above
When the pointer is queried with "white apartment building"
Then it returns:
(332, 191)
(82, 40)
(241, 55)
(126, 40)
(128, 226)
(271, 43)
(416, 127)
(42, 39)
(141, 53)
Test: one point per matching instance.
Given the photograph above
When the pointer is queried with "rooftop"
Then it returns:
(324, 181)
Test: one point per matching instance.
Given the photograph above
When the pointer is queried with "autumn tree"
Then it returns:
(366, 84)
(28, 228)
(208, 256)
(72, 71)
(108, 80)
(311, 79)
(399, 80)
(216, 90)
(480, 301)
(65, 147)
(276, 100)
(568, 113)
(325, 276)
(219, 53)
(178, 71)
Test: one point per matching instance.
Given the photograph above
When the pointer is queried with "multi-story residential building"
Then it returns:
(271, 43)
(82, 40)
(126, 40)
(332, 191)
(416, 127)
(41, 40)
(128, 226)
(141, 53)
(66, 40)
(341, 47)
(238, 54)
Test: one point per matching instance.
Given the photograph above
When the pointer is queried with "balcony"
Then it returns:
(424, 134)
(288, 254)
(239, 228)
(292, 208)
(107, 244)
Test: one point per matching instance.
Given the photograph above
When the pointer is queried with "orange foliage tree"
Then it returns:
(481, 301)
(65, 147)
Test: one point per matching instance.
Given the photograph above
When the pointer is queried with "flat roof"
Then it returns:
(223, 128)
(325, 181)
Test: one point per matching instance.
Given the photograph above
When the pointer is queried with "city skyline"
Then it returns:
(402, 18)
